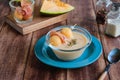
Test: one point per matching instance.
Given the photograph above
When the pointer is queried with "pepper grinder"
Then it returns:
(102, 8)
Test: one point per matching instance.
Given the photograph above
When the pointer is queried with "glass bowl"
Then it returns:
(69, 54)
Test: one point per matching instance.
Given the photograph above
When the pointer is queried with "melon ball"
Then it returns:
(18, 13)
(55, 40)
(67, 32)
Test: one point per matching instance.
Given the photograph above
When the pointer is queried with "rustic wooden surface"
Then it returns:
(17, 59)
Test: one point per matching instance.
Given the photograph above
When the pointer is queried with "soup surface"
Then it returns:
(78, 41)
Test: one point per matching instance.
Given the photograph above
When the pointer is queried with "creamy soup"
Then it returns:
(78, 41)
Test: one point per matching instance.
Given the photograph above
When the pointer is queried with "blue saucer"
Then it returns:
(46, 55)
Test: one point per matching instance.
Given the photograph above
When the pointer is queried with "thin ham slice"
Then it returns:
(62, 37)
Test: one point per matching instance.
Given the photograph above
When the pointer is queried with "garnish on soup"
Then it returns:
(72, 42)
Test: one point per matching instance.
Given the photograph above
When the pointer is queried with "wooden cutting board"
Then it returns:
(38, 22)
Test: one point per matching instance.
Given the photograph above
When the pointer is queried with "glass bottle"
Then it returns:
(102, 8)
(113, 21)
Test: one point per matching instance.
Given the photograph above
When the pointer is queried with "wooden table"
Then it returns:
(18, 61)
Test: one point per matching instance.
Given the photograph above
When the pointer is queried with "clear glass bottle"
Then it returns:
(114, 13)
(102, 8)
(113, 21)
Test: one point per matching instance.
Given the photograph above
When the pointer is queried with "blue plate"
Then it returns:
(46, 55)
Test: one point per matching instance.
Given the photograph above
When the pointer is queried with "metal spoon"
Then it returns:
(113, 57)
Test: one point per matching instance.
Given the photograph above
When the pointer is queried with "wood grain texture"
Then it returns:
(1, 25)
(4, 8)
(38, 22)
(14, 49)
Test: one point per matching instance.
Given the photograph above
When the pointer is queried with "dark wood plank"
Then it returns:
(83, 12)
(1, 24)
(14, 49)
(85, 16)
(4, 8)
